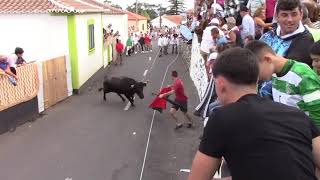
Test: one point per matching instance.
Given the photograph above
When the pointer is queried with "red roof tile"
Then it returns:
(46, 6)
(134, 16)
(177, 19)
(113, 10)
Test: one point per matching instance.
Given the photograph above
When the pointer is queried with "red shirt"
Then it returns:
(179, 90)
(147, 40)
(119, 47)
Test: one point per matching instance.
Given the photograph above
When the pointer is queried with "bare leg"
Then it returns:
(173, 113)
(188, 117)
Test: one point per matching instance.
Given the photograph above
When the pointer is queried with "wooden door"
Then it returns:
(54, 81)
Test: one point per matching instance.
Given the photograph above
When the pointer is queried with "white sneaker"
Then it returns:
(142, 52)
(150, 50)
(135, 52)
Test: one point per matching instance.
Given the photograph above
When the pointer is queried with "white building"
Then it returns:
(169, 21)
(47, 29)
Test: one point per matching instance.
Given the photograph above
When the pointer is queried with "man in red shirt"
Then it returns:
(147, 40)
(119, 48)
(181, 100)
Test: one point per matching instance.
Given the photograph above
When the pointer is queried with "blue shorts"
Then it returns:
(3, 65)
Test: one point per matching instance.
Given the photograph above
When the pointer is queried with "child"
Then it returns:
(147, 40)
(166, 44)
(175, 43)
(16, 59)
(315, 55)
(129, 46)
(293, 83)
(160, 44)
(119, 48)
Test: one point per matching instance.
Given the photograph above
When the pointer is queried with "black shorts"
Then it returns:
(182, 105)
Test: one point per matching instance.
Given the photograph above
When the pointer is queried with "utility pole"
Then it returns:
(160, 16)
(137, 25)
(136, 6)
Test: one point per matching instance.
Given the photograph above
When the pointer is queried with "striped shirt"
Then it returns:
(298, 85)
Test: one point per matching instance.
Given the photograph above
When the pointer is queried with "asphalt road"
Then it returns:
(85, 138)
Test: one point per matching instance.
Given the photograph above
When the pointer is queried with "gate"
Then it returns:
(54, 81)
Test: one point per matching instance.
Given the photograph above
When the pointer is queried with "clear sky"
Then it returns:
(125, 3)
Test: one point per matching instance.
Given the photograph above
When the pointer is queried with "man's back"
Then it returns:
(261, 139)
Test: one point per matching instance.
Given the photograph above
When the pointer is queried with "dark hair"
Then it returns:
(288, 5)
(244, 8)
(214, 31)
(174, 74)
(315, 48)
(257, 47)
(237, 65)
(222, 47)
(18, 50)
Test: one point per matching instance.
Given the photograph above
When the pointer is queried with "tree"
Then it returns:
(144, 9)
(176, 7)
(113, 5)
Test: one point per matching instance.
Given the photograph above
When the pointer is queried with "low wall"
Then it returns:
(197, 68)
(26, 89)
(19, 104)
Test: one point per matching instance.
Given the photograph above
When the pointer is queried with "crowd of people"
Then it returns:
(9, 63)
(264, 59)
(136, 42)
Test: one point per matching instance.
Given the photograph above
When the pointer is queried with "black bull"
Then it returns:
(123, 85)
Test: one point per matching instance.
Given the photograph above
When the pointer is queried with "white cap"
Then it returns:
(215, 21)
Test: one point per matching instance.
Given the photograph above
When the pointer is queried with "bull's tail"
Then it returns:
(100, 89)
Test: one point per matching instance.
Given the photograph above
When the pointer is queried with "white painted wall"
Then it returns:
(119, 23)
(41, 36)
(165, 22)
(88, 63)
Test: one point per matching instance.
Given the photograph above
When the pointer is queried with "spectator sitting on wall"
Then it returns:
(16, 59)
(5, 70)
(207, 42)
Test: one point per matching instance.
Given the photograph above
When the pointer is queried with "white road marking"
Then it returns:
(145, 73)
(154, 113)
(185, 170)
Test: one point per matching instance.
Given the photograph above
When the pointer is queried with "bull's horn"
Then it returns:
(132, 86)
(147, 81)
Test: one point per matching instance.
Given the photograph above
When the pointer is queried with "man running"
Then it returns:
(180, 102)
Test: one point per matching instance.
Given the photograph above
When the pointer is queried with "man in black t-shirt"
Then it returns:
(258, 138)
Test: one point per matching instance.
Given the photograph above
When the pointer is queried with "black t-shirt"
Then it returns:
(262, 140)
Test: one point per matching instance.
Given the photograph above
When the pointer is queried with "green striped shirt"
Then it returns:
(298, 85)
